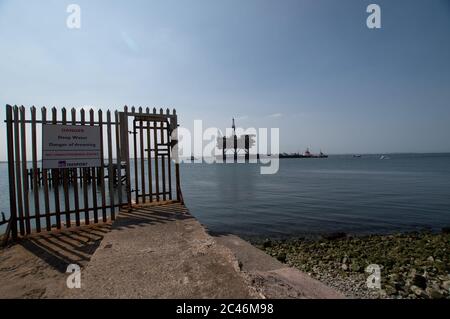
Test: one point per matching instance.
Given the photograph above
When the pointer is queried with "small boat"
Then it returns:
(357, 156)
(308, 154)
(384, 157)
(322, 155)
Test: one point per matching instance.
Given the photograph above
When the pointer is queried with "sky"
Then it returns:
(309, 67)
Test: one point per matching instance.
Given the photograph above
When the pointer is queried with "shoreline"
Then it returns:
(414, 265)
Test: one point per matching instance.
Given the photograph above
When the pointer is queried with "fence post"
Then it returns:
(118, 159)
(12, 185)
(124, 145)
(35, 174)
(26, 202)
(176, 157)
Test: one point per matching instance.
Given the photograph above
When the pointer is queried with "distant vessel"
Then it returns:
(292, 155)
(384, 157)
(307, 154)
(357, 156)
(322, 155)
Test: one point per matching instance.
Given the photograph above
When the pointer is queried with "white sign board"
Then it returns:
(69, 146)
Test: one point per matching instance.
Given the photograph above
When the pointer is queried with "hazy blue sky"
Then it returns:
(311, 68)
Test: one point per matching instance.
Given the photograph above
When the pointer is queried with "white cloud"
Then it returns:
(275, 115)
(129, 41)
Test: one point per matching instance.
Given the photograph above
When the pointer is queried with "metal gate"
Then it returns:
(152, 157)
(42, 199)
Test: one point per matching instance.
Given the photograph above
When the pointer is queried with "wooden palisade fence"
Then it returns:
(71, 197)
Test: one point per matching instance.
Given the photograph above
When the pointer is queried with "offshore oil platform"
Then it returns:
(238, 145)
(241, 145)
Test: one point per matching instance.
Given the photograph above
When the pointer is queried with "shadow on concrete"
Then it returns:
(76, 246)
(62, 248)
(151, 215)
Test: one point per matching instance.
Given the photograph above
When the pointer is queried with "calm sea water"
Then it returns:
(313, 196)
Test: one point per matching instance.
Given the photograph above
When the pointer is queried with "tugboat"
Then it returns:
(308, 154)
(322, 155)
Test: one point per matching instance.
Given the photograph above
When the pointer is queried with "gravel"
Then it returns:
(412, 265)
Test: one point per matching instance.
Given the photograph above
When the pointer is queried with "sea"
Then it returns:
(308, 197)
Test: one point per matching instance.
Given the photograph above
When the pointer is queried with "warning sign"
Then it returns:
(69, 146)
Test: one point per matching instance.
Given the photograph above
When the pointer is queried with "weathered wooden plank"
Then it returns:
(163, 162)
(110, 165)
(75, 180)
(26, 204)
(149, 160)
(136, 174)
(169, 160)
(155, 138)
(85, 181)
(142, 152)
(18, 170)
(118, 158)
(11, 173)
(94, 180)
(37, 211)
(48, 222)
(126, 150)
(65, 173)
(102, 167)
(174, 122)
(55, 179)
(124, 141)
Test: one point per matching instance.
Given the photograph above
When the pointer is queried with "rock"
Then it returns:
(418, 291)
(397, 285)
(282, 257)
(434, 293)
(393, 276)
(419, 281)
(344, 267)
(382, 293)
(430, 259)
(446, 285)
(355, 268)
(390, 290)
(267, 243)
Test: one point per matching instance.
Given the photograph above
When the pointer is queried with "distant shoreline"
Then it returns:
(330, 154)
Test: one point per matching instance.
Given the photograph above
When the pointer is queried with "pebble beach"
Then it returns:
(413, 265)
